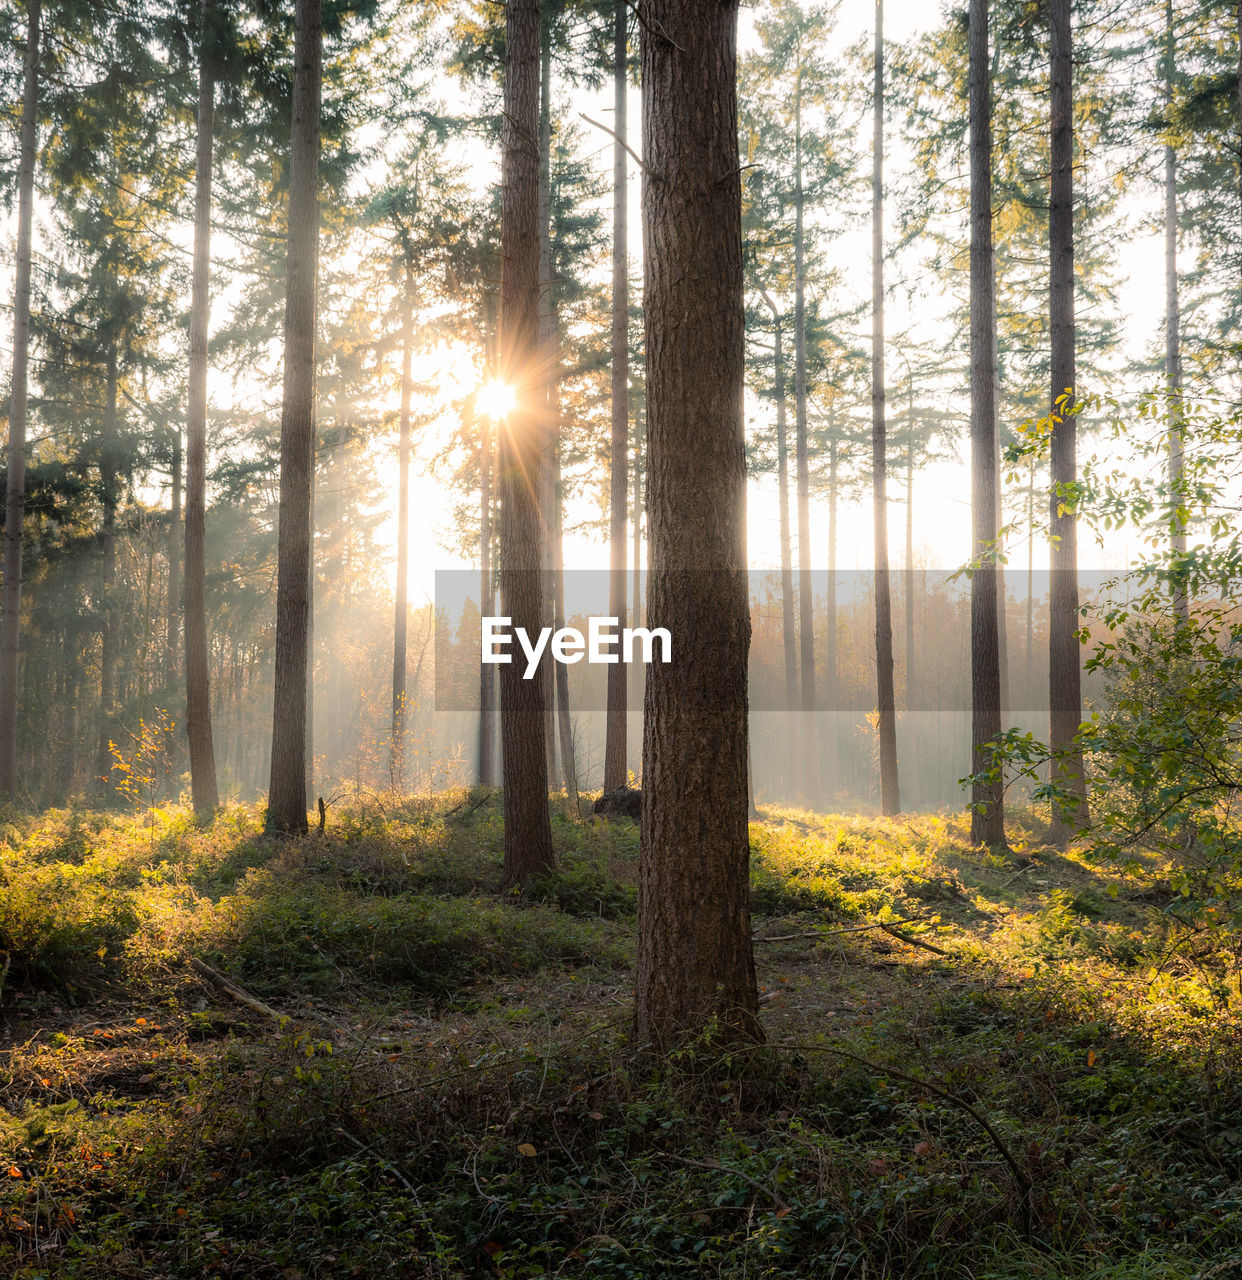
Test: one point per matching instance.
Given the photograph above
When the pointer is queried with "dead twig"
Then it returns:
(737, 1173)
(1020, 1175)
(830, 933)
(912, 941)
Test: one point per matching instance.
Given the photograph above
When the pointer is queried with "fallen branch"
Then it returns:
(830, 933)
(1020, 1175)
(737, 1173)
(912, 941)
(240, 994)
(252, 1002)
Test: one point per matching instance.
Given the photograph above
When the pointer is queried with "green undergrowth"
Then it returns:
(450, 1091)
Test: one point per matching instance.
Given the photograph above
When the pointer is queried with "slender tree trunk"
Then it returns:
(107, 584)
(806, 596)
(1172, 337)
(569, 764)
(830, 646)
(890, 794)
(176, 545)
(1030, 574)
(695, 958)
(528, 833)
(287, 792)
(1002, 621)
(197, 688)
(615, 732)
(911, 681)
(402, 608)
(638, 673)
(15, 487)
(782, 477)
(987, 824)
(1064, 670)
(486, 690)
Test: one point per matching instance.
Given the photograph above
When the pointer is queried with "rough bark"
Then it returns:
(197, 688)
(616, 727)
(806, 596)
(402, 607)
(987, 824)
(528, 834)
(695, 962)
(15, 488)
(890, 795)
(547, 360)
(1064, 669)
(287, 793)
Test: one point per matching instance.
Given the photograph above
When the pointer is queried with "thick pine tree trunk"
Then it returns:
(528, 833)
(547, 362)
(890, 795)
(637, 670)
(197, 690)
(402, 608)
(1172, 330)
(616, 729)
(987, 823)
(486, 597)
(806, 596)
(1064, 669)
(287, 793)
(15, 487)
(695, 959)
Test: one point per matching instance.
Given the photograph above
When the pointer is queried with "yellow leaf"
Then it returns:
(525, 1149)
(1091, 1057)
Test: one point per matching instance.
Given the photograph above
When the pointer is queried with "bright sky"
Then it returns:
(942, 491)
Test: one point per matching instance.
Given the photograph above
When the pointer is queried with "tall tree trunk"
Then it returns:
(1002, 622)
(287, 792)
(107, 584)
(402, 607)
(569, 764)
(528, 833)
(203, 787)
(176, 545)
(1064, 669)
(811, 780)
(695, 958)
(486, 598)
(15, 487)
(547, 359)
(911, 682)
(782, 479)
(1172, 336)
(616, 729)
(637, 669)
(890, 795)
(987, 823)
(830, 646)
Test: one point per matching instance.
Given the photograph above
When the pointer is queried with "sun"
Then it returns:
(495, 399)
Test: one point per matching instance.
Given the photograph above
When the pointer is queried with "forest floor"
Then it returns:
(1038, 1074)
